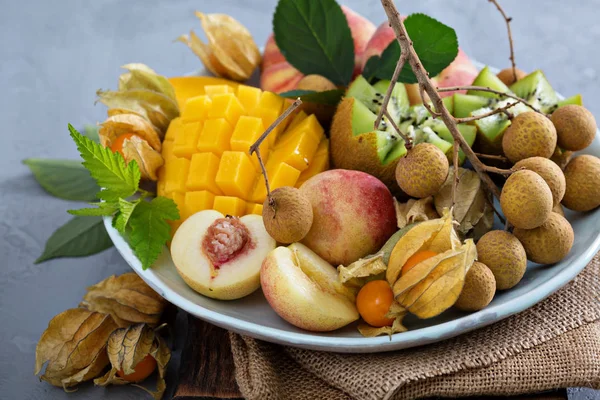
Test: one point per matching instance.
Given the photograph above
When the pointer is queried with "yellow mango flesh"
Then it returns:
(206, 150)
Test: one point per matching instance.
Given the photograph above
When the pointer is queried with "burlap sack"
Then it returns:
(553, 344)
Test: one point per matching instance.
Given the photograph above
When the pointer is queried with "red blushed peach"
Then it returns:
(278, 76)
(353, 215)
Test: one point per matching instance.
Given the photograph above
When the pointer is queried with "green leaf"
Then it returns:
(328, 97)
(371, 67)
(66, 179)
(91, 132)
(126, 208)
(149, 229)
(81, 236)
(315, 38)
(436, 45)
(104, 209)
(118, 179)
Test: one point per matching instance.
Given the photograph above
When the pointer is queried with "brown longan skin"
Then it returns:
(289, 217)
(575, 127)
(479, 288)
(530, 134)
(423, 171)
(582, 176)
(507, 75)
(504, 255)
(549, 243)
(526, 199)
(550, 173)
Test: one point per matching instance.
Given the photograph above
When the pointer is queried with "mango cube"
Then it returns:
(297, 150)
(229, 205)
(176, 171)
(212, 90)
(236, 174)
(252, 208)
(167, 149)
(203, 170)
(280, 174)
(197, 201)
(249, 97)
(187, 139)
(319, 163)
(226, 106)
(196, 109)
(175, 125)
(215, 136)
(246, 132)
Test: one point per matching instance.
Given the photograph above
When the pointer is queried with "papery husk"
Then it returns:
(140, 76)
(415, 211)
(127, 298)
(471, 209)
(148, 159)
(157, 118)
(127, 347)
(397, 312)
(231, 51)
(117, 125)
(74, 345)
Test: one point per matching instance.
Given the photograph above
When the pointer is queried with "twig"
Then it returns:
(492, 157)
(434, 114)
(490, 90)
(388, 93)
(407, 140)
(510, 38)
(255, 147)
(498, 171)
(455, 165)
(423, 79)
(487, 114)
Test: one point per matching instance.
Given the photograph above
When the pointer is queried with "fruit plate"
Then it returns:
(252, 315)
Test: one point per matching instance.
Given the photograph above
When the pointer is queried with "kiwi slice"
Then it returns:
(487, 78)
(365, 93)
(468, 132)
(465, 104)
(537, 91)
(576, 100)
(399, 95)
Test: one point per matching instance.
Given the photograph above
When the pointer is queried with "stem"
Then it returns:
(510, 38)
(490, 90)
(389, 90)
(455, 165)
(487, 114)
(255, 147)
(423, 79)
(492, 157)
(144, 193)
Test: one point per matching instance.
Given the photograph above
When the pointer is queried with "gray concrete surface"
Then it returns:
(55, 54)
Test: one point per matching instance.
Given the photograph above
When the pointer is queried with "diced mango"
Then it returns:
(252, 208)
(167, 149)
(197, 201)
(160, 184)
(319, 163)
(187, 140)
(176, 171)
(236, 174)
(215, 136)
(298, 150)
(228, 205)
(299, 117)
(249, 97)
(196, 109)
(203, 170)
(175, 125)
(179, 199)
(280, 174)
(246, 132)
(226, 106)
(212, 90)
(309, 124)
(271, 101)
(192, 86)
(268, 116)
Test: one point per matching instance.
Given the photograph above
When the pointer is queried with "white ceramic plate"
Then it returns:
(252, 315)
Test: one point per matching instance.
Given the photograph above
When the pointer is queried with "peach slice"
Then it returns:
(220, 257)
(304, 290)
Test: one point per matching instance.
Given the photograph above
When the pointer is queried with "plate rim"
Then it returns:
(315, 341)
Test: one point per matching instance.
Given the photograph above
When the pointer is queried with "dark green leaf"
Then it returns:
(67, 179)
(328, 97)
(118, 179)
(126, 208)
(315, 38)
(149, 229)
(370, 69)
(91, 132)
(436, 45)
(104, 209)
(81, 236)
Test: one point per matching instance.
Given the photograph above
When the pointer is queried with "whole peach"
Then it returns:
(353, 215)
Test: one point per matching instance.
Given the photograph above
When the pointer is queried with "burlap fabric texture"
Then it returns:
(551, 345)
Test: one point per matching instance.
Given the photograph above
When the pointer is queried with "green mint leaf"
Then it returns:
(91, 132)
(436, 45)
(103, 209)
(328, 97)
(118, 179)
(81, 236)
(125, 208)
(66, 179)
(149, 229)
(315, 38)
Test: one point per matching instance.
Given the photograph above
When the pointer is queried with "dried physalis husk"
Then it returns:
(127, 298)
(127, 347)
(140, 76)
(433, 285)
(472, 208)
(231, 51)
(148, 159)
(74, 345)
(397, 312)
(120, 124)
(415, 210)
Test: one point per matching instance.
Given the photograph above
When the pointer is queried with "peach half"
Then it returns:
(304, 290)
(220, 257)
